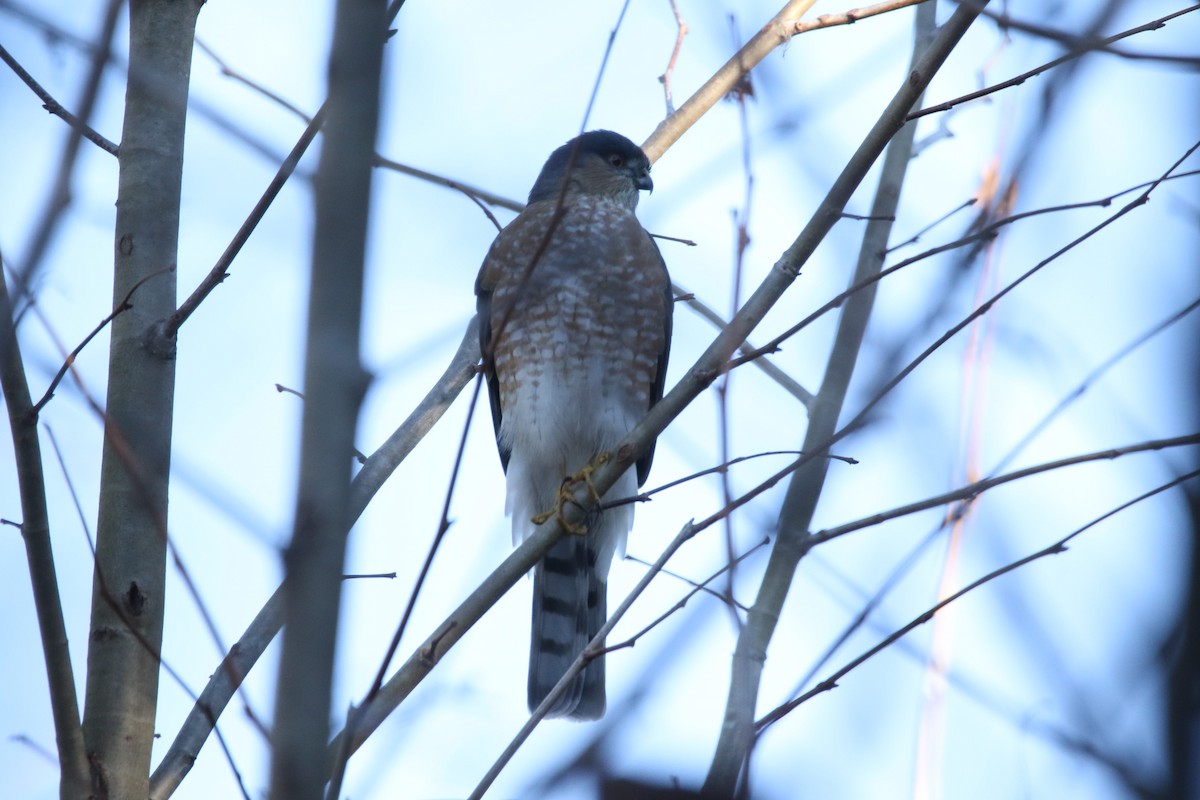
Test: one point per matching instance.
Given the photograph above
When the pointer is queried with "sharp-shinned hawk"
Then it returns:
(575, 311)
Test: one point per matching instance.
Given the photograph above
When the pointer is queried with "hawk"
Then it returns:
(575, 310)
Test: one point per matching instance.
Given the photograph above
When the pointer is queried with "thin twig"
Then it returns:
(702, 586)
(220, 270)
(339, 765)
(1006, 22)
(789, 384)
(123, 306)
(853, 15)
(359, 456)
(1090, 379)
(1079, 48)
(473, 192)
(916, 237)
(230, 72)
(681, 30)
(982, 235)
(1057, 547)
(102, 587)
(643, 497)
(677, 576)
(480, 197)
(59, 196)
(55, 107)
(608, 48)
(227, 678)
(593, 648)
(867, 217)
(666, 238)
(968, 492)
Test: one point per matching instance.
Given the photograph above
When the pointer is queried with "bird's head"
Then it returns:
(600, 163)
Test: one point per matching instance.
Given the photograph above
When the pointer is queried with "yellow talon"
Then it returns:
(566, 495)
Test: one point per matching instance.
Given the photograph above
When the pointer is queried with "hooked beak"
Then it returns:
(644, 182)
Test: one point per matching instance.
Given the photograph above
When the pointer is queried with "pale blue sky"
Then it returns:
(482, 92)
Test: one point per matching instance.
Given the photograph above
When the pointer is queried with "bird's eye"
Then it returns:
(616, 160)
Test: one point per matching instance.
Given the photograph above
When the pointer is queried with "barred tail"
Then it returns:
(569, 608)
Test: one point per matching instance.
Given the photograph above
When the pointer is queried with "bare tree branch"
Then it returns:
(1057, 547)
(972, 490)
(736, 738)
(695, 380)
(589, 652)
(853, 15)
(1087, 41)
(55, 107)
(790, 384)
(334, 386)
(35, 531)
(220, 270)
(702, 586)
(1079, 47)
(59, 197)
(124, 305)
(775, 33)
(233, 74)
(340, 761)
(681, 30)
(266, 625)
(224, 683)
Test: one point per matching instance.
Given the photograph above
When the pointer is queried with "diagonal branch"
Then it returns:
(244, 654)
(695, 381)
(381, 464)
(1078, 48)
(220, 270)
(777, 32)
(56, 108)
(60, 193)
(969, 492)
(736, 738)
(123, 306)
(1057, 547)
(588, 653)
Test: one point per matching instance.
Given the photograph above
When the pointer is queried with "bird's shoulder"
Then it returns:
(555, 231)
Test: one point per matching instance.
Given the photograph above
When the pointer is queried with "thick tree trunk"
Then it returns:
(131, 545)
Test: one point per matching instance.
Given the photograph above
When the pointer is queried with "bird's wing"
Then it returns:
(484, 285)
(660, 375)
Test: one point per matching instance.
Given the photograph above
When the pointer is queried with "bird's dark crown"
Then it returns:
(596, 162)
